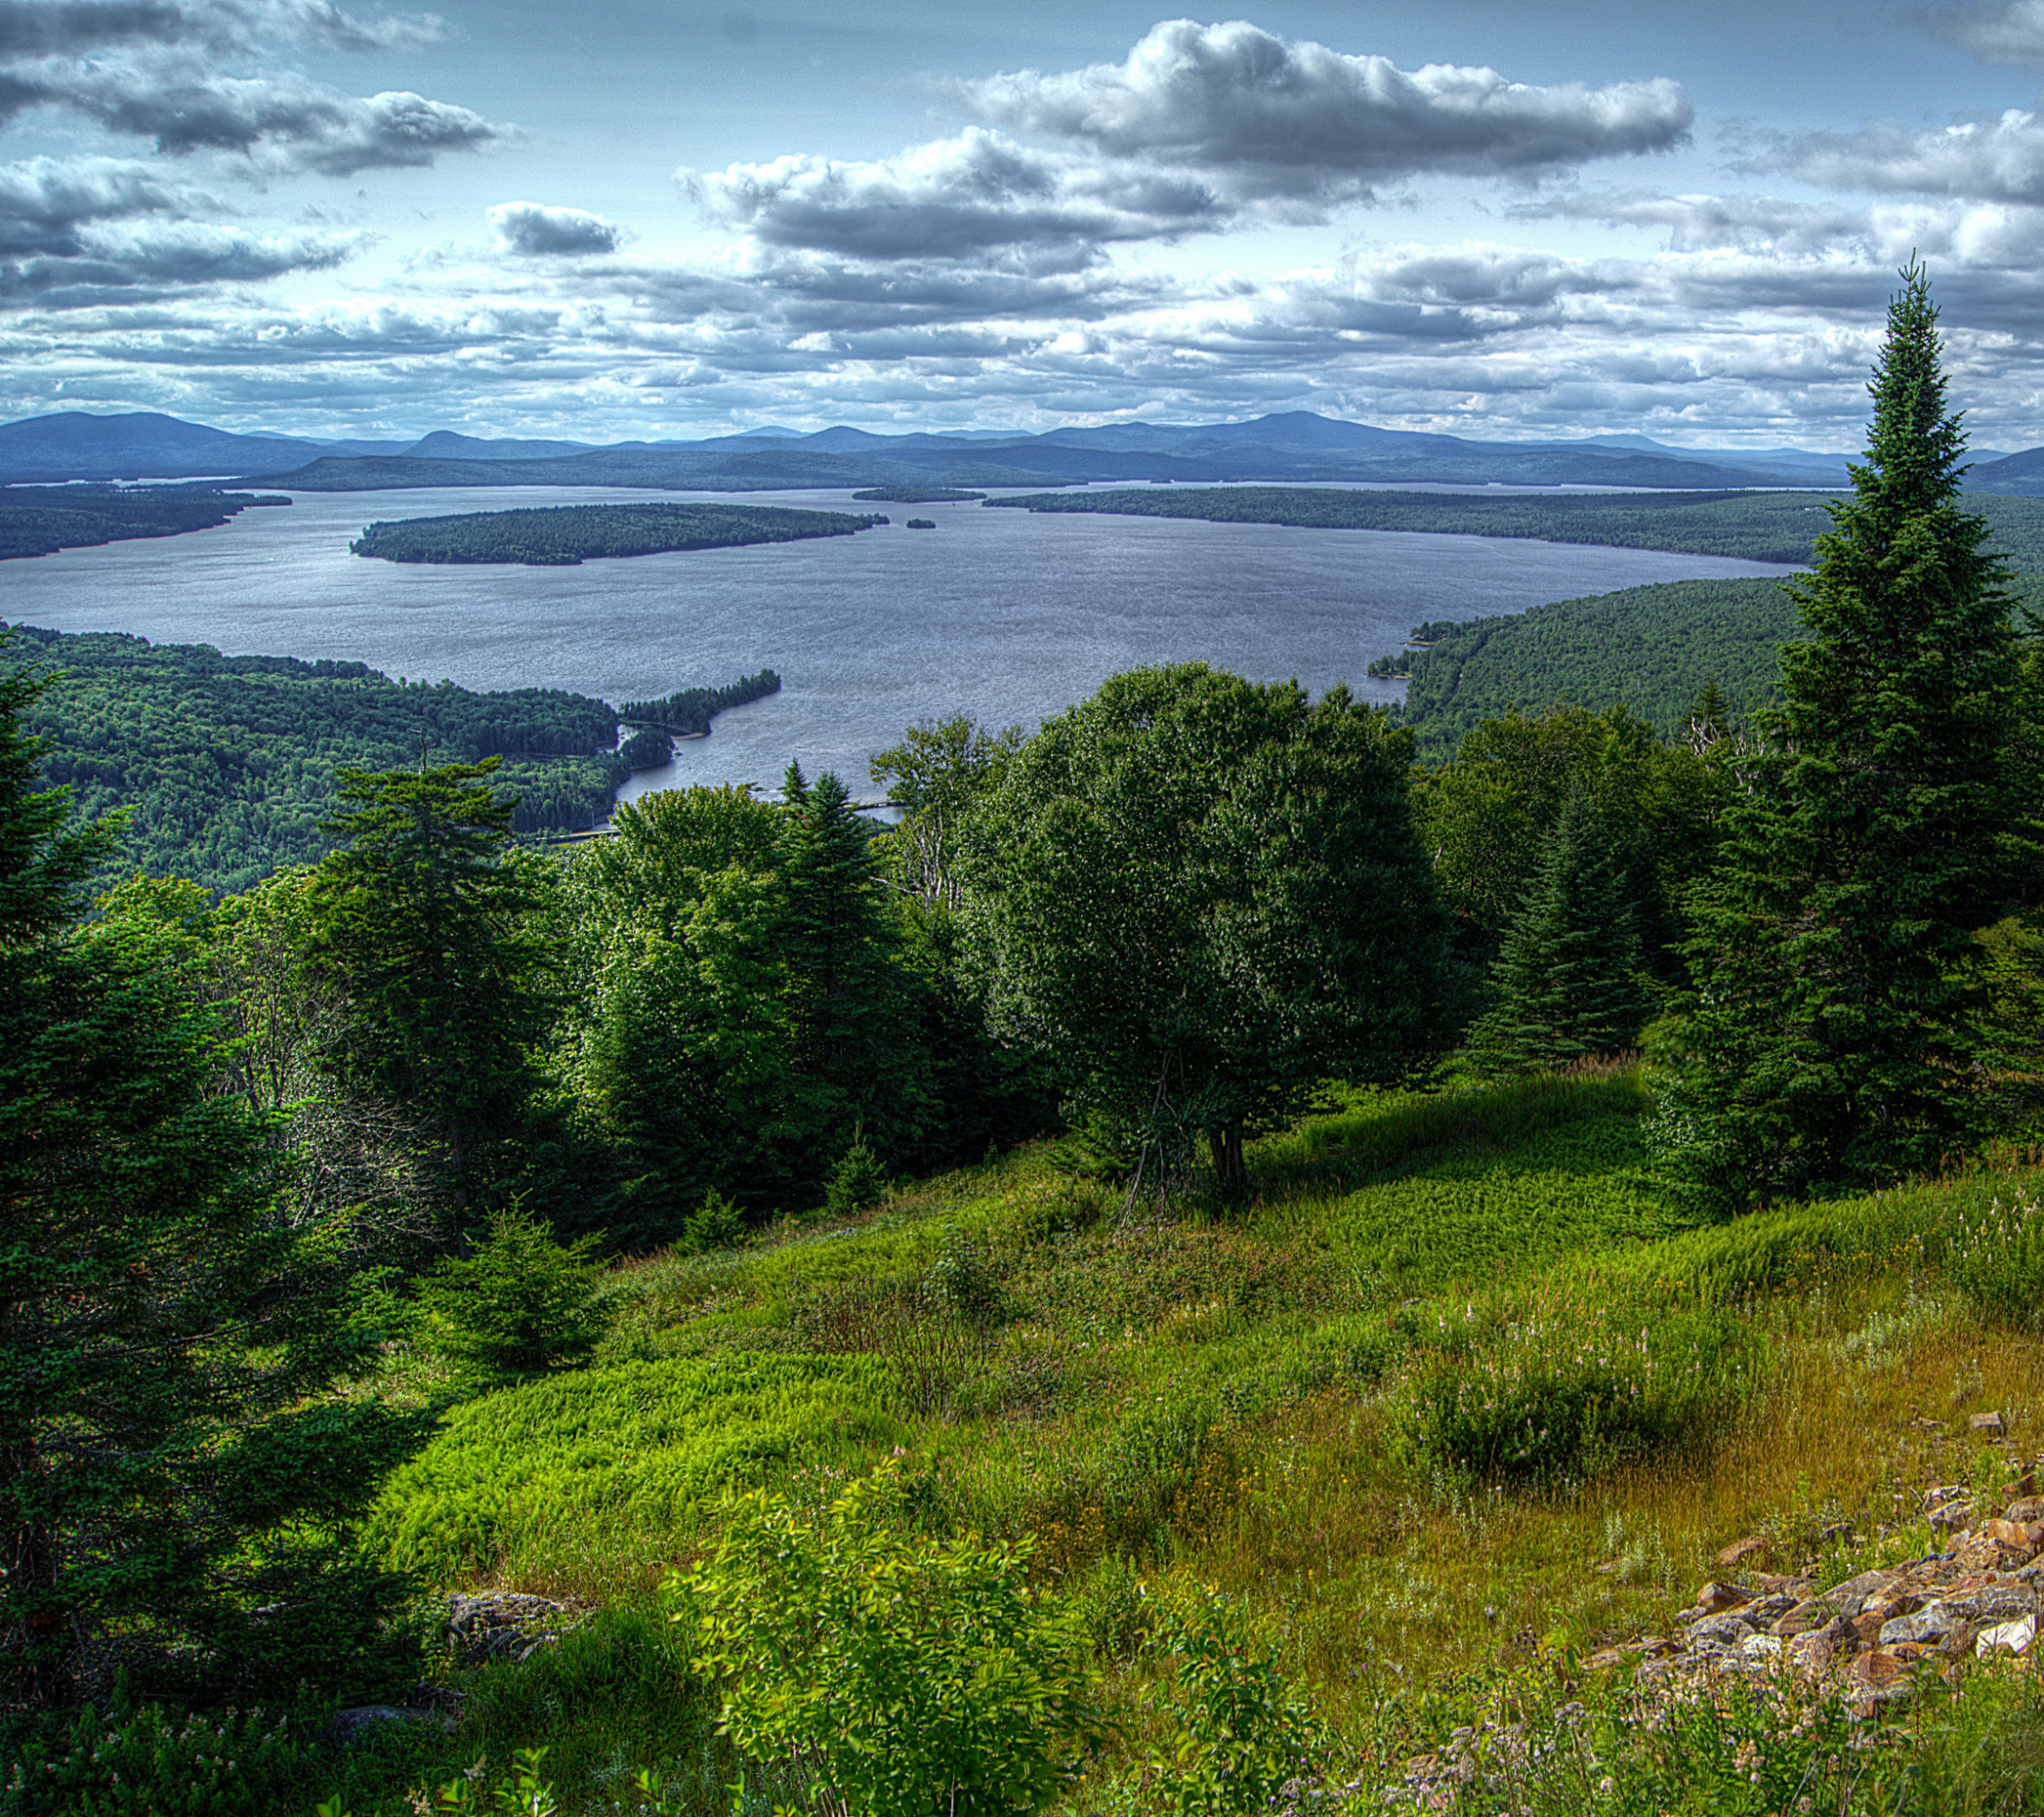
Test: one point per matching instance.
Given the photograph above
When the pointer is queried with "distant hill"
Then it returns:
(1296, 446)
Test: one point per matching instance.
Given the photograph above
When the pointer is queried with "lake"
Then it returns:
(1001, 614)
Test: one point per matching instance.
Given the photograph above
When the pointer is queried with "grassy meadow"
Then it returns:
(1463, 1395)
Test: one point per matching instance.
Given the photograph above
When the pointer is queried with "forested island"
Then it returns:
(916, 495)
(227, 765)
(687, 713)
(564, 535)
(41, 520)
(1747, 526)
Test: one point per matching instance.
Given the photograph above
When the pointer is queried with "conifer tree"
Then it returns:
(1836, 1023)
(1565, 981)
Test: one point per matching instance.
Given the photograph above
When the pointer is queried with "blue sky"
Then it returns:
(675, 219)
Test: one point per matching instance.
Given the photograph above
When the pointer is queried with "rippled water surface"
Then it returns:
(997, 613)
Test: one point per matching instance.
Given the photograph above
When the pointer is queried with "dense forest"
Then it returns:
(916, 495)
(227, 765)
(1212, 1271)
(41, 520)
(563, 535)
(1748, 526)
(687, 714)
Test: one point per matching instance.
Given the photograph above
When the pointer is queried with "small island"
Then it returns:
(921, 523)
(563, 535)
(917, 495)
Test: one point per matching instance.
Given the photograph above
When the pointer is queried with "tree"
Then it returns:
(1565, 981)
(1198, 897)
(1837, 1018)
(934, 775)
(520, 1304)
(424, 929)
(174, 1486)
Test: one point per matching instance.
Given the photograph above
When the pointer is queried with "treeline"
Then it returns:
(226, 765)
(687, 714)
(915, 495)
(563, 535)
(1747, 526)
(39, 521)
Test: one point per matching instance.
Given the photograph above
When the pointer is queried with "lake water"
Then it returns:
(998, 613)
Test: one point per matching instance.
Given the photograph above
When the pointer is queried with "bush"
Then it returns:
(716, 1224)
(858, 1184)
(522, 1304)
(1567, 1387)
(137, 1761)
(891, 1675)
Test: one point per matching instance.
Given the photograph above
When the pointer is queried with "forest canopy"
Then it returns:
(561, 535)
(41, 520)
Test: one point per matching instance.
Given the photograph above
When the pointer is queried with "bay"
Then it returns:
(1001, 614)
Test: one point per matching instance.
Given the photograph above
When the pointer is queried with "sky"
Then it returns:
(656, 218)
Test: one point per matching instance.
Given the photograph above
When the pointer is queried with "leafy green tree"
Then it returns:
(873, 1672)
(934, 775)
(1565, 982)
(519, 1304)
(175, 1485)
(424, 927)
(1839, 1015)
(1198, 897)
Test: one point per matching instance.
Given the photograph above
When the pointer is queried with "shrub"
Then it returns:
(893, 1675)
(716, 1224)
(137, 1761)
(1566, 1387)
(858, 1184)
(522, 1304)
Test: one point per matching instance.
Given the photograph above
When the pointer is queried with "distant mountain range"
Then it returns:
(1297, 445)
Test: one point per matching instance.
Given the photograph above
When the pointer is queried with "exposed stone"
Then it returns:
(1952, 1516)
(2025, 1508)
(503, 1624)
(346, 1727)
(1852, 1595)
(2024, 1537)
(1740, 1550)
(1726, 1631)
(1715, 1597)
(1991, 1425)
(1926, 1625)
(2017, 1637)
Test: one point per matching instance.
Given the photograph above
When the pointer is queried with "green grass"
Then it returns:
(1316, 1401)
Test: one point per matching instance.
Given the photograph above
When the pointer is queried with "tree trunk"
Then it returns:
(1231, 1173)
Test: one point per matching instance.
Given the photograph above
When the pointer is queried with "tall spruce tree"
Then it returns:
(1566, 983)
(174, 1485)
(1837, 1021)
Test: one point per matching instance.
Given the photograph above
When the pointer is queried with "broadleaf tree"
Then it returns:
(1199, 897)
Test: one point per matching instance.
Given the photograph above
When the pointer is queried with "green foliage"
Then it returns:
(935, 775)
(715, 1224)
(689, 711)
(175, 1484)
(519, 1305)
(422, 926)
(1197, 897)
(137, 1760)
(625, 1455)
(1647, 649)
(1841, 1002)
(39, 521)
(915, 495)
(566, 535)
(1564, 983)
(857, 1183)
(1558, 1387)
(1996, 1257)
(883, 1674)
(228, 764)
(1239, 1733)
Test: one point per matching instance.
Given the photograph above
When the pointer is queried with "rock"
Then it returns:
(1723, 1630)
(2024, 1537)
(1740, 1550)
(1804, 1618)
(346, 1727)
(1766, 1610)
(2016, 1637)
(503, 1625)
(2023, 1486)
(2025, 1508)
(1927, 1627)
(1991, 1425)
(1985, 1604)
(1879, 1678)
(1952, 1516)
(1715, 1597)
(1852, 1595)
(1760, 1645)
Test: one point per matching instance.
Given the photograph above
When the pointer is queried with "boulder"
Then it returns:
(2017, 1637)
(346, 1727)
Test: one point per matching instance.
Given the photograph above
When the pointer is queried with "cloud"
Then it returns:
(1267, 119)
(532, 230)
(160, 258)
(2009, 33)
(74, 27)
(963, 197)
(44, 201)
(1997, 161)
(1704, 223)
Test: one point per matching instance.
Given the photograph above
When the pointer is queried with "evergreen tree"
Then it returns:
(423, 927)
(1565, 981)
(1838, 1017)
(174, 1487)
